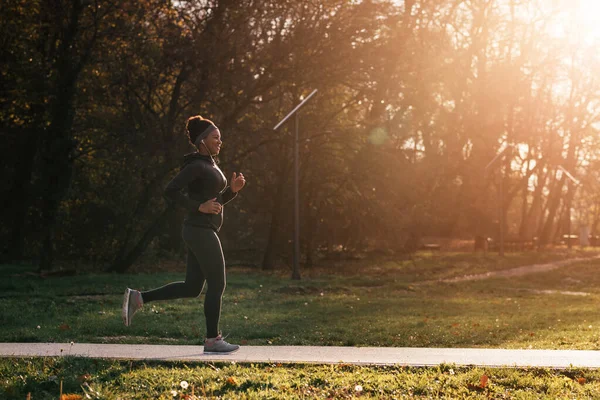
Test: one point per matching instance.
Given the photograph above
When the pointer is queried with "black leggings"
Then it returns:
(205, 263)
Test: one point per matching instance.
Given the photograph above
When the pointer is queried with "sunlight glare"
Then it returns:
(579, 19)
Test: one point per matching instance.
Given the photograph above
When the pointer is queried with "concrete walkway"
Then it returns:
(315, 354)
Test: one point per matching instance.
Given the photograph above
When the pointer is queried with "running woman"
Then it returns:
(202, 189)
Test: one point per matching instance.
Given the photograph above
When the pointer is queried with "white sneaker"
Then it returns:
(132, 302)
(219, 346)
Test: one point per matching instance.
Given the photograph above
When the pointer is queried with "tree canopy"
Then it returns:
(415, 98)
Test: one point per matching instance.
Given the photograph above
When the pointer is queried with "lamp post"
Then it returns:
(294, 112)
(492, 164)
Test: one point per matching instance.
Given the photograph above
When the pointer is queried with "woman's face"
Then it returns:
(213, 142)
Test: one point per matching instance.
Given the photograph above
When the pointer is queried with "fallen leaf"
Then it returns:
(71, 397)
(231, 380)
(483, 381)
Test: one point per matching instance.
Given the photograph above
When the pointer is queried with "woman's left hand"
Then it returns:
(237, 182)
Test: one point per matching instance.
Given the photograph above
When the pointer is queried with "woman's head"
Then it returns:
(203, 134)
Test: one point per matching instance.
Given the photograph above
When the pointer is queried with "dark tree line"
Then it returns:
(415, 98)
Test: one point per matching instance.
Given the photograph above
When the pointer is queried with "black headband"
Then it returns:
(204, 134)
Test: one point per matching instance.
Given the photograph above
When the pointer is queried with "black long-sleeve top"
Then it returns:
(203, 180)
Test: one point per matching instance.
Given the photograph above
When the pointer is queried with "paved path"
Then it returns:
(315, 354)
(518, 271)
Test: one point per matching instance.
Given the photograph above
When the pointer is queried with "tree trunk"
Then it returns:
(311, 233)
(122, 265)
(525, 208)
(268, 262)
(567, 226)
(57, 143)
(141, 208)
(596, 219)
(553, 203)
(57, 178)
(530, 224)
(19, 198)
(556, 194)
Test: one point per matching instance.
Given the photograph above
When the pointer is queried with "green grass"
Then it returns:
(102, 379)
(355, 303)
(388, 304)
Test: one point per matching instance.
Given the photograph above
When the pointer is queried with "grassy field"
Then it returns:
(383, 303)
(111, 380)
(354, 303)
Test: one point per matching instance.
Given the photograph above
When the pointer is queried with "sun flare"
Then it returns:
(577, 18)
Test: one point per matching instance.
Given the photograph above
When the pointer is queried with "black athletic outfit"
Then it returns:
(203, 180)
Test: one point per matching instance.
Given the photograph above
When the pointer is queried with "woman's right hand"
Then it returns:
(210, 207)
